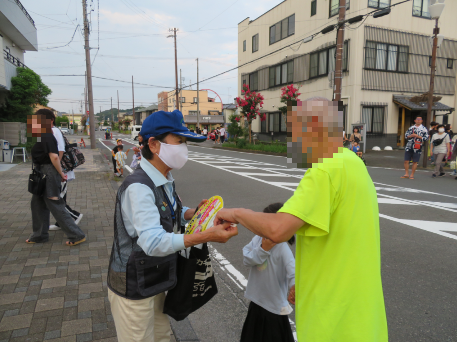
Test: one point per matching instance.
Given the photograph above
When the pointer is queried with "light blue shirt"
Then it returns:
(271, 276)
(142, 218)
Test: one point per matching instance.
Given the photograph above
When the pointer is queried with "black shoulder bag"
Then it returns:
(37, 182)
(438, 142)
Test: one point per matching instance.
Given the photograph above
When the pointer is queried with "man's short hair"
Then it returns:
(433, 123)
(47, 113)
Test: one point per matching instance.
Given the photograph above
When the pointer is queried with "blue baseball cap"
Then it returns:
(165, 122)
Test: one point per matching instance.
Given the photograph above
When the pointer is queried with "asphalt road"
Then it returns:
(418, 241)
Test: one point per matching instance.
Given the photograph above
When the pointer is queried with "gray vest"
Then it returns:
(133, 274)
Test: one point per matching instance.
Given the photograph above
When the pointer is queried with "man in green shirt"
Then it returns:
(334, 213)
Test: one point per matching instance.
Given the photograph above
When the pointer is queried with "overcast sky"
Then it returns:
(132, 40)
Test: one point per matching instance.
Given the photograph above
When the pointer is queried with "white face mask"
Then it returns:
(441, 130)
(174, 156)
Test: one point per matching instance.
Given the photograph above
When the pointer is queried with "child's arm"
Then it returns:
(253, 254)
(127, 152)
(114, 155)
(289, 262)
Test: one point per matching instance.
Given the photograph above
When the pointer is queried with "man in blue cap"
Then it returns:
(148, 226)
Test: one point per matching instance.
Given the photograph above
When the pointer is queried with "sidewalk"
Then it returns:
(52, 292)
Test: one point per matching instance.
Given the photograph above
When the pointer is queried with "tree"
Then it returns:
(84, 122)
(105, 123)
(234, 129)
(60, 119)
(250, 104)
(27, 90)
(289, 93)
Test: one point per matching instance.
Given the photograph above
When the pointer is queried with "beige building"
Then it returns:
(386, 62)
(142, 113)
(210, 110)
(18, 34)
(77, 117)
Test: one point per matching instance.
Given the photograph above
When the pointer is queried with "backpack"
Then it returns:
(72, 157)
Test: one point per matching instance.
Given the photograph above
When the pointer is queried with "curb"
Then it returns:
(244, 150)
(183, 331)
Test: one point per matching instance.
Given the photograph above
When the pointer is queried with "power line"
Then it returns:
(112, 79)
(73, 36)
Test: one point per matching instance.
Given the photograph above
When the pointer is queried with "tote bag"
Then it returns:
(195, 286)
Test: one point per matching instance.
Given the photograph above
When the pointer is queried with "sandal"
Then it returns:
(74, 243)
(404, 177)
(411, 177)
(36, 241)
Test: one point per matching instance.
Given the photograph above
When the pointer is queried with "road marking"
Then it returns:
(429, 226)
(405, 189)
(393, 201)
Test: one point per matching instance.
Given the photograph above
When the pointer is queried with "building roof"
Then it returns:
(404, 101)
(229, 106)
(151, 107)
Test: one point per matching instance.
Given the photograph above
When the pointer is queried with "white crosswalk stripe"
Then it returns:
(280, 176)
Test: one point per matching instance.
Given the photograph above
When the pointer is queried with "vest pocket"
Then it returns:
(155, 274)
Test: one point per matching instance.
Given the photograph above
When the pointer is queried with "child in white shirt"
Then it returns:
(271, 281)
(120, 158)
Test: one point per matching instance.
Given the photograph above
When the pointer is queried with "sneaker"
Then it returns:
(433, 176)
(441, 174)
(79, 218)
(453, 174)
(54, 227)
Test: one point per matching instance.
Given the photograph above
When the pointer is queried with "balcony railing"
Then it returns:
(25, 11)
(10, 58)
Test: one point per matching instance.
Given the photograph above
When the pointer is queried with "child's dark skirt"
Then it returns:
(262, 325)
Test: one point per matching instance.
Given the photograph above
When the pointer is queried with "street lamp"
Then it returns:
(435, 9)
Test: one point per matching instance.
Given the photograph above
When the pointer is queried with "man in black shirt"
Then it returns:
(115, 150)
(433, 130)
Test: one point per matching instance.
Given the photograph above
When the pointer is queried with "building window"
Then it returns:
(253, 81)
(420, 8)
(374, 118)
(430, 61)
(334, 7)
(183, 99)
(244, 45)
(276, 122)
(255, 43)
(281, 74)
(195, 99)
(382, 56)
(345, 113)
(194, 112)
(313, 7)
(282, 29)
(378, 3)
(322, 62)
(450, 63)
(263, 126)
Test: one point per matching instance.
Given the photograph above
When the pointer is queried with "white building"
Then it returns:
(18, 34)
(386, 62)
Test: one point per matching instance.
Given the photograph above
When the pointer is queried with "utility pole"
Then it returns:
(174, 30)
(180, 89)
(73, 112)
(338, 80)
(198, 100)
(89, 78)
(112, 115)
(117, 106)
(133, 103)
(436, 31)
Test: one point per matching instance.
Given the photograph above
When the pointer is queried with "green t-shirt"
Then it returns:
(339, 294)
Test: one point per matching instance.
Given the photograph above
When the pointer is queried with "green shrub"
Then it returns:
(241, 143)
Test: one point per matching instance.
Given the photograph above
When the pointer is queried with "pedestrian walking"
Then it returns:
(114, 151)
(136, 157)
(120, 157)
(271, 276)
(205, 132)
(45, 158)
(222, 132)
(440, 145)
(339, 295)
(77, 216)
(148, 232)
(416, 136)
(218, 135)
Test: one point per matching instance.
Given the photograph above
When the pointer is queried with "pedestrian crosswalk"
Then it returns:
(388, 195)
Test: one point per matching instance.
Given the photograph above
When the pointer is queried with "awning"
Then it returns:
(404, 101)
